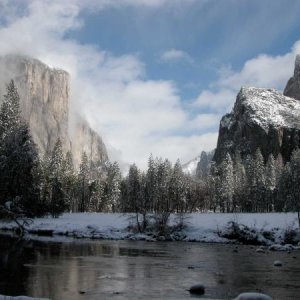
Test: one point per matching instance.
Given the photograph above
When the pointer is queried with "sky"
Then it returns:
(155, 76)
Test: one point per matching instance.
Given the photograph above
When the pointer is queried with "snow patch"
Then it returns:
(268, 107)
(191, 166)
(262, 228)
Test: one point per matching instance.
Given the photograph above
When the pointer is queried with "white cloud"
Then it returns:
(205, 121)
(262, 71)
(219, 101)
(135, 116)
(175, 55)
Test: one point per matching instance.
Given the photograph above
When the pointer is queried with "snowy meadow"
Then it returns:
(277, 230)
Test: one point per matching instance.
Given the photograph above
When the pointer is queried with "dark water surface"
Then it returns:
(142, 270)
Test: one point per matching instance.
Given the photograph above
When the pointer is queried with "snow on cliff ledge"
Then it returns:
(265, 107)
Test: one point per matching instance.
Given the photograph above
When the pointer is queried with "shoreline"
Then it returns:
(277, 231)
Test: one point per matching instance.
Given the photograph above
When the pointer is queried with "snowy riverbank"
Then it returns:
(269, 229)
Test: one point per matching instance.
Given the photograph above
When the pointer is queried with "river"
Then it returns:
(101, 269)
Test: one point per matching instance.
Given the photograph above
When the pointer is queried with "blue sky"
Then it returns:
(213, 33)
(156, 75)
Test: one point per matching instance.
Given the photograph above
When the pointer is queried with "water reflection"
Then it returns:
(141, 270)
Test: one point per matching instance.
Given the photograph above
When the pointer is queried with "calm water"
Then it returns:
(142, 270)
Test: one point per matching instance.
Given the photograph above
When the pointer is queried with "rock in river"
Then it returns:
(278, 263)
(198, 289)
(253, 296)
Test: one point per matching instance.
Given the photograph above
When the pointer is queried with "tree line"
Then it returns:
(52, 185)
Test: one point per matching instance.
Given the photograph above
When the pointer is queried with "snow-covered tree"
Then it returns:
(68, 181)
(151, 184)
(177, 185)
(83, 183)
(10, 111)
(112, 188)
(240, 181)
(18, 164)
(294, 199)
(226, 184)
(270, 182)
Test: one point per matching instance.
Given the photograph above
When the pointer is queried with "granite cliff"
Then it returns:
(204, 164)
(45, 105)
(292, 88)
(263, 118)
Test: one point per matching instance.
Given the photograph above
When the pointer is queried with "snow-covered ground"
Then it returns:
(2, 297)
(268, 228)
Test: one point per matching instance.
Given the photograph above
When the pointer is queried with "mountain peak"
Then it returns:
(292, 88)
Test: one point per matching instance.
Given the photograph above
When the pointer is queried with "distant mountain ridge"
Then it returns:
(45, 105)
(200, 165)
(262, 118)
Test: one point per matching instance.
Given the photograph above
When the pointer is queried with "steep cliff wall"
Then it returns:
(45, 101)
(87, 140)
(44, 95)
(261, 118)
(292, 88)
(204, 164)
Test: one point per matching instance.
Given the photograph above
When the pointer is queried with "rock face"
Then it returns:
(44, 94)
(86, 139)
(204, 164)
(191, 166)
(262, 118)
(292, 88)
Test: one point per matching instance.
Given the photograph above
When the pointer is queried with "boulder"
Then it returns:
(253, 296)
(197, 289)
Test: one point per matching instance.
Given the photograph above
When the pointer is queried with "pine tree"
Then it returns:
(240, 181)
(177, 192)
(258, 182)
(113, 186)
(68, 181)
(10, 111)
(45, 188)
(151, 184)
(270, 182)
(57, 201)
(18, 164)
(226, 184)
(83, 183)
(284, 195)
(294, 202)
(162, 176)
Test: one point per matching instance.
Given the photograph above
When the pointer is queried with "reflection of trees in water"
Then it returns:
(13, 274)
(63, 270)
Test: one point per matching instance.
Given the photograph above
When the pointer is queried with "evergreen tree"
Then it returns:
(69, 181)
(45, 188)
(162, 176)
(294, 199)
(112, 188)
(226, 184)
(258, 182)
(240, 181)
(18, 164)
(83, 183)
(57, 201)
(270, 183)
(284, 194)
(151, 184)
(177, 193)
(10, 111)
